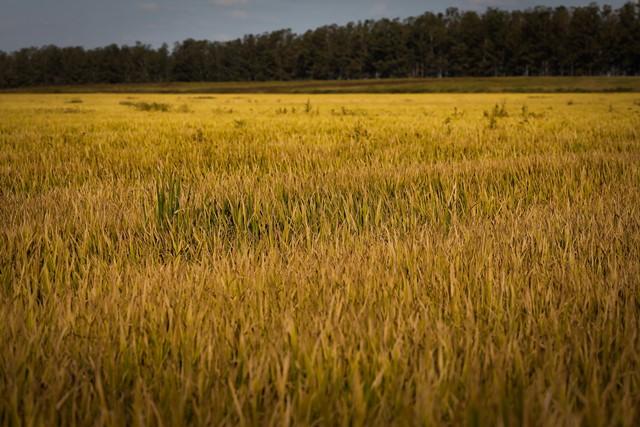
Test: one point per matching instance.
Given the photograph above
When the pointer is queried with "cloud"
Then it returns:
(380, 9)
(492, 3)
(239, 13)
(149, 6)
(221, 37)
(229, 3)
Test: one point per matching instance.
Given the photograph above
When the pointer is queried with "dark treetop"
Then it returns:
(589, 40)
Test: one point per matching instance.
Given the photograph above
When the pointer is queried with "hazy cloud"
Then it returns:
(229, 3)
(149, 6)
(380, 9)
(239, 13)
(481, 4)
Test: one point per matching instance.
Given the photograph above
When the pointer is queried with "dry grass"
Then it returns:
(328, 260)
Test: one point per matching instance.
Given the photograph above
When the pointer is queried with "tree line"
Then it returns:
(541, 41)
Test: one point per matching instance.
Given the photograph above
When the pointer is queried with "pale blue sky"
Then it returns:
(93, 23)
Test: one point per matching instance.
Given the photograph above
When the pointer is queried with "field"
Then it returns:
(422, 85)
(285, 259)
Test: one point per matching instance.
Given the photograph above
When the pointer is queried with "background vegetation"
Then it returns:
(588, 40)
(333, 260)
(418, 85)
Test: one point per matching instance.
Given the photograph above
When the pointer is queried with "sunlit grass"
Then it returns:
(329, 260)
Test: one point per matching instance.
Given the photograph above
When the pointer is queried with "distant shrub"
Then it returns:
(348, 112)
(184, 108)
(62, 111)
(223, 110)
(148, 106)
(499, 111)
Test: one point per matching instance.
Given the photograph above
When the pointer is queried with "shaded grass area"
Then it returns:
(432, 259)
(427, 85)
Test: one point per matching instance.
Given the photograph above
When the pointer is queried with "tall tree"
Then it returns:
(539, 41)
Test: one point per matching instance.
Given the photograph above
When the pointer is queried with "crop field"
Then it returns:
(279, 259)
(591, 84)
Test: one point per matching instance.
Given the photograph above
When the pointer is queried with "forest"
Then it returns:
(541, 41)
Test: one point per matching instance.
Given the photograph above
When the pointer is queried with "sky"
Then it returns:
(92, 23)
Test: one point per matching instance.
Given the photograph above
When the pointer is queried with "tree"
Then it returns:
(539, 41)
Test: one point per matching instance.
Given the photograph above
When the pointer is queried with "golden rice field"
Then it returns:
(351, 260)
